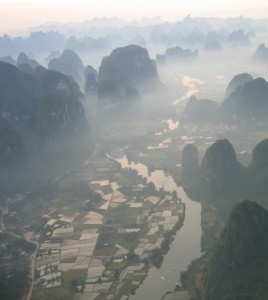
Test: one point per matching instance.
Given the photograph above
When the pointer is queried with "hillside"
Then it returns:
(238, 268)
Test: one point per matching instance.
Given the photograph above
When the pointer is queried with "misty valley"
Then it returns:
(134, 160)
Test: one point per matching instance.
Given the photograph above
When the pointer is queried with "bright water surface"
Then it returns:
(185, 247)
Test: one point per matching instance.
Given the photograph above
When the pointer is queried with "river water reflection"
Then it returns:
(186, 245)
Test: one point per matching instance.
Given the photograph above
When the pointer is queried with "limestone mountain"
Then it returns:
(258, 172)
(190, 163)
(178, 54)
(90, 75)
(220, 169)
(26, 68)
(11, 145)
(59, 111)
(238, 38)
(238, 269)
(45, 103)
(123, 77)
(69, 63)
(129, 66)
(238, 81)
(201, 111)
(260, 156)
(249, 102)
(261, 54)
(57, 82)
(112, 102)
(24, 59)
(18, 97)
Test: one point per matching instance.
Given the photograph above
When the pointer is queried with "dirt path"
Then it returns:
(4, 211)
(32, 270)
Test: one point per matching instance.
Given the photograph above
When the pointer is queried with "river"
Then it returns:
(185, 247)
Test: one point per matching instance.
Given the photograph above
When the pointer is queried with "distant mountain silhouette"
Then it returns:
(176, 55)
(213, 46)
(69, 63)
(201, 111)
(261, 54)
(91, 76)
(238, 38)
(24, 59)
(238, 81)
(248, 102)
(129, 66)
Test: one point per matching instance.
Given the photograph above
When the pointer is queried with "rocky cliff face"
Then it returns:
(46, 99)
(260, 156)
(258, 173)
(261, 54)
(238, 267)
(121, 77)
(238, 81)
(220, 168)
(129, 66)
(190, 163)
(18, 93)
(249, 102)
(11, 146)
(90, 75)
(69, 63)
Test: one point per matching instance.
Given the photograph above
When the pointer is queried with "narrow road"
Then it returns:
(3, 212)
(2, 225)
(32, 269)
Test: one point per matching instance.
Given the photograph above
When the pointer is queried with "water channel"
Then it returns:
(186, 245)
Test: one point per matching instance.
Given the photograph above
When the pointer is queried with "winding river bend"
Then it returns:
(185, 247)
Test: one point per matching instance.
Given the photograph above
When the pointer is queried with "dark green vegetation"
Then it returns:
(248, 102)
(220, 169)
(129, 66)
(11, 146)
(157, 255)
(235, 262)
(40, 107)
(14, 271)
(223, 180)
(190, 164)
(121, 78)
(21, 94)
(42, 123)
(238, 269)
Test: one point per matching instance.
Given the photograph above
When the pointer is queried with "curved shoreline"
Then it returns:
(154, 286)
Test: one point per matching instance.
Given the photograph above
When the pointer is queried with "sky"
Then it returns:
(18, 15)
